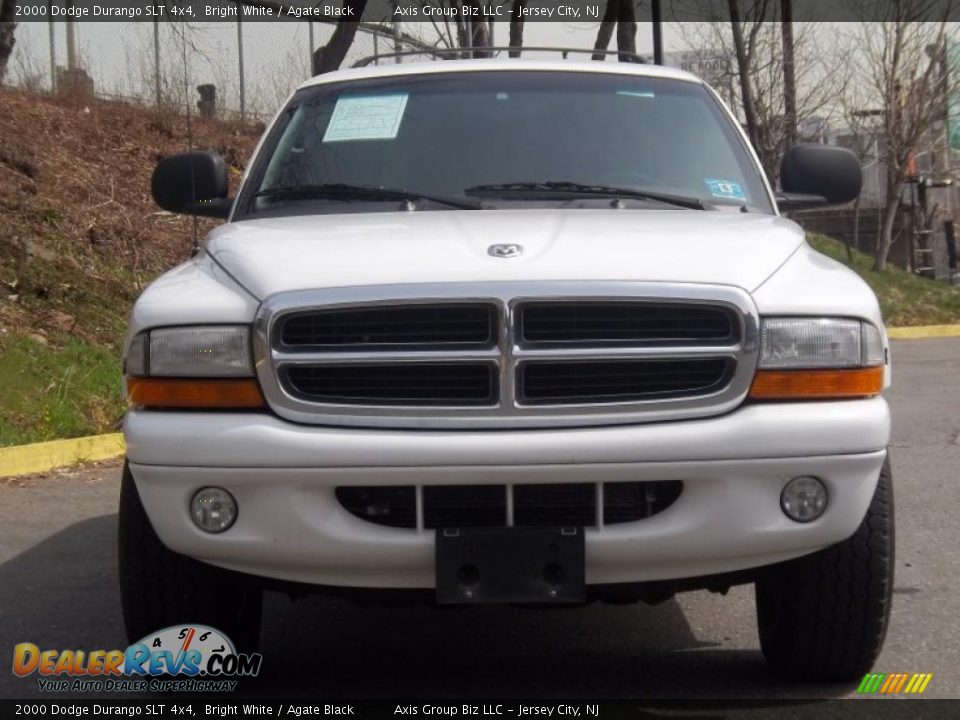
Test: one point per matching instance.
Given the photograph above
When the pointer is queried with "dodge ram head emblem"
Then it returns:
(505, 250)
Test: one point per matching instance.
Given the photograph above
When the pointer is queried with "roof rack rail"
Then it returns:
(459, 53)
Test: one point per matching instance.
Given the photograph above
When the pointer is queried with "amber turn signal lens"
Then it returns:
(817, 384)
(180, 393)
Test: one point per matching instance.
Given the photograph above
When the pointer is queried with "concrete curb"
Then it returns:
(923, 331)
(45, 456)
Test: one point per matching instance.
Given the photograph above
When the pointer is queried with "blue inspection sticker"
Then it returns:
(726, 189)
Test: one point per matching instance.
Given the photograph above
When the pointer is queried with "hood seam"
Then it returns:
(779, 267)
(215, 261)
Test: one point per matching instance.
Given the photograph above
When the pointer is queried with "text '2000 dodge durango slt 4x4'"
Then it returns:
(521, 332)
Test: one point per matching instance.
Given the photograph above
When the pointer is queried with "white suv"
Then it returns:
(511, 332)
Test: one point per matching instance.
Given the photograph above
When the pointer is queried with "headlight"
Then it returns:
(215, 351)
(818, 358)
(819, 343)
(192, 367)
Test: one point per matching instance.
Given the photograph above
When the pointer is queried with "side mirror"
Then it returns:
(814, 175)
(192, 184)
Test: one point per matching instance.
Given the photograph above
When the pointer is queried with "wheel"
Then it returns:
(160, 588)
(824, 616)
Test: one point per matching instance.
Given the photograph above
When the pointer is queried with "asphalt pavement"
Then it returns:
(58, 589)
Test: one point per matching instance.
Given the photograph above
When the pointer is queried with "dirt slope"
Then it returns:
(79, 238)
(79, 233)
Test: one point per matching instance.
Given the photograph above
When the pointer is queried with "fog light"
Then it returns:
(804, 498)
(213, 509)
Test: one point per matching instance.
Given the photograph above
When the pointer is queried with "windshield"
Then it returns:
(499, 138)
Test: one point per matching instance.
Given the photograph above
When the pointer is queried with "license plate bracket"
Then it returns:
(510, 565)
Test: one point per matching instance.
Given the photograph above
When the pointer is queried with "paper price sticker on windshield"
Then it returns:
(366, 117)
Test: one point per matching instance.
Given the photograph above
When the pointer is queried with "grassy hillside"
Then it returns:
(905, 299)
(63, 388)
(79, 239)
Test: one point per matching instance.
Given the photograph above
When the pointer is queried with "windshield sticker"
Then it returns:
(637, 93)
(727, 189)
(366, 117)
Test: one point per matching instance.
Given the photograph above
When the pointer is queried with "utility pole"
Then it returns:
(310, 52)
(156, 60)
(397, 36)
(243, 94)
(53, 48)
(71, 40)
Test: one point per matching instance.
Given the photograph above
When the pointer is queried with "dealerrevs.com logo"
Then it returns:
(180, 658)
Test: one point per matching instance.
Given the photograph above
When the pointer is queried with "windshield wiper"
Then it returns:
(564, 187)
(346, 190)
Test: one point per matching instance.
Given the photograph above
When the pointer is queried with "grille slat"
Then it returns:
(414, 327)
(593, 381)
(456, 506)
(549, 505)
(624, 323)
(555, 505)
(400, 384)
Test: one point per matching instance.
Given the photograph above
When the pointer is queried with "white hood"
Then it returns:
(323, 251)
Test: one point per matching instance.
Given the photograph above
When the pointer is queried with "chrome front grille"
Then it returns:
(432, 507)
(487, 355)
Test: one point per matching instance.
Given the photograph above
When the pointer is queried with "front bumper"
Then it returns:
(291, 527)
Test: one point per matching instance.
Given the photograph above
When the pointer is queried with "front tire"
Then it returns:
(824, 616)
(160, 588)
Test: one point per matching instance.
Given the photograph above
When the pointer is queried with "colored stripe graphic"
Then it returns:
(866, 685)
(894, 683)
(912, 684)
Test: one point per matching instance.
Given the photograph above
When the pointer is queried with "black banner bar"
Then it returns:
(433, 11)
(174, 708)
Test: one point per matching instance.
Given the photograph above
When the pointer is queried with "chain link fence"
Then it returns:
(233, 70)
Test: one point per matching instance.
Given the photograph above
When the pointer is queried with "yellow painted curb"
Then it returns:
(923, 331)
(44, 456)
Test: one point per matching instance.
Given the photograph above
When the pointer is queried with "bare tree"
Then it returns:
(467, 29)
(749, 67)
(330, 57)
(622, 16)
(745, 53)
(899, 63)
(7, 30)
(789, 74)
(516, 26)
(479, 30)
